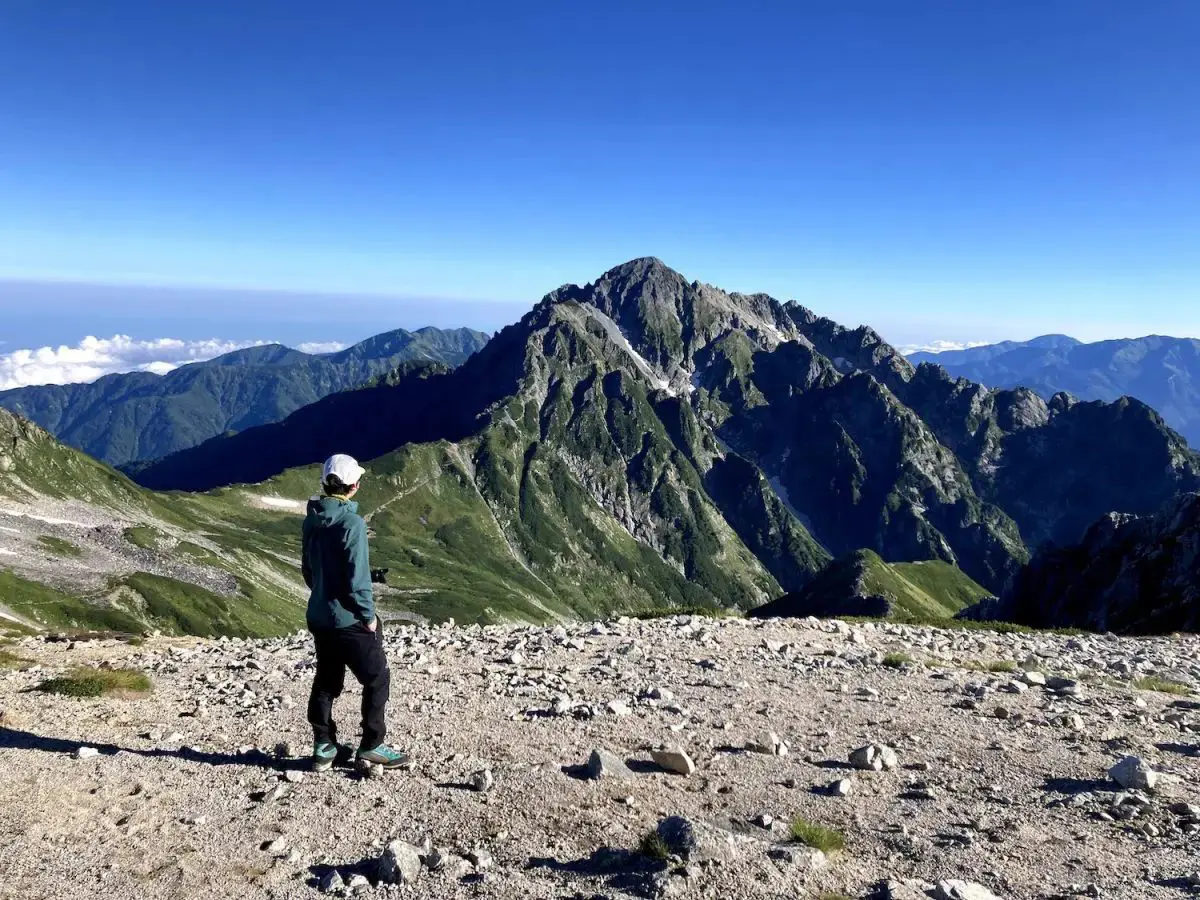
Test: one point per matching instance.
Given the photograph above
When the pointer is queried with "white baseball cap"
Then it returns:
(345, 468)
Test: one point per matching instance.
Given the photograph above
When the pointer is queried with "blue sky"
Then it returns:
(939, 169)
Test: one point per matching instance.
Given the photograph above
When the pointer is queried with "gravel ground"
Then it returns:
(996, 784)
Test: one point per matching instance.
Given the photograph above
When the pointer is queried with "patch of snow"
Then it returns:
(4, 552)
(782, 493)
(617, 336)
(10, 530)
(281, 503)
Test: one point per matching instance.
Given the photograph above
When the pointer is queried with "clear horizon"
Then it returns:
(940, 172)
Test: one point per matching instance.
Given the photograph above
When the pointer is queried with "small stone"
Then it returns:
(293, 776)
(843, 787)
(87, 753)
(618, 708)
(768, 743)
(1134, 773)
(515, 658)
(479, 858)
(331, 882)
(874, 758)
(602, 764)
(1036, 679)
(400, 864)
(482, 780)
(1001, 712)
(763, 820)
(276, 846)
(954, 889)
(673, 759)
(906, 890)
(357, 884)
(436, 859)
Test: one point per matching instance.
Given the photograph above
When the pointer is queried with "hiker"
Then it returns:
(342, 619)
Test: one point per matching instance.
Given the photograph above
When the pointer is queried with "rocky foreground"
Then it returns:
(955, 764)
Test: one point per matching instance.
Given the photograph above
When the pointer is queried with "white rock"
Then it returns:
(1134, 773)
(843, 787)
(331, 882)
(673, 759)
(874, 758)
(769, 743)
(400, 863)
(482, 780)
(954, 889)
(87, 753)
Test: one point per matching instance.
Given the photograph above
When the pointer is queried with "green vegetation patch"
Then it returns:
(92, 682)
(1162, 685)
(52, 608)
(654, 847)
(10, 660)
(143, 536)
(898, 660)
(819, 837)
(60, 547)
(931, 589)
(710, 612)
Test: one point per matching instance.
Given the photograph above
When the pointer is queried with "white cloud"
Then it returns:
(94, 357)
(321, 347)
(941, 346)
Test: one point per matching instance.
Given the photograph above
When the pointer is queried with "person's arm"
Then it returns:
(358, 572)
(305, 559)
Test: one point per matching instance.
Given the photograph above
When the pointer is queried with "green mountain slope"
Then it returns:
(122, 419)
(81, 546)
(863, 584)
(646, 441)
(1163, 372)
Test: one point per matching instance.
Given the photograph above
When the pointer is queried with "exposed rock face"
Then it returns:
(660, 441)
(1128, 575)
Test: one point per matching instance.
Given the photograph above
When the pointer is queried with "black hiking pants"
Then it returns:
(361, 651)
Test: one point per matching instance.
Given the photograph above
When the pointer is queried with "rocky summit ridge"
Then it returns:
(685, 756)
(644, 440)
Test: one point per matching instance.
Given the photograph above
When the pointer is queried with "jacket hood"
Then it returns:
(328, 511)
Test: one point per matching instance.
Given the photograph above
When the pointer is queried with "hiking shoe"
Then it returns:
(384, 756)
(326, 754)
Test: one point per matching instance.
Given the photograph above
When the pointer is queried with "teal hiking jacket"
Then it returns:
(336, 565)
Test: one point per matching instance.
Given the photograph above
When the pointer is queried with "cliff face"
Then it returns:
(1129, 574)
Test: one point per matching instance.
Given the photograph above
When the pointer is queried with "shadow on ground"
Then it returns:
(14, 739)
(1077, 785)
(620, 870)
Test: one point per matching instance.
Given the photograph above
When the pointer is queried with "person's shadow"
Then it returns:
(14, 739)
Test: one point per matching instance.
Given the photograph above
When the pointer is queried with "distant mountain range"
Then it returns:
(127, 418)
(644, 441)
(1163, 372)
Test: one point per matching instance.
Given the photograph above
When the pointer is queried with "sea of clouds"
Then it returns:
(95, 357)
(941, 346)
